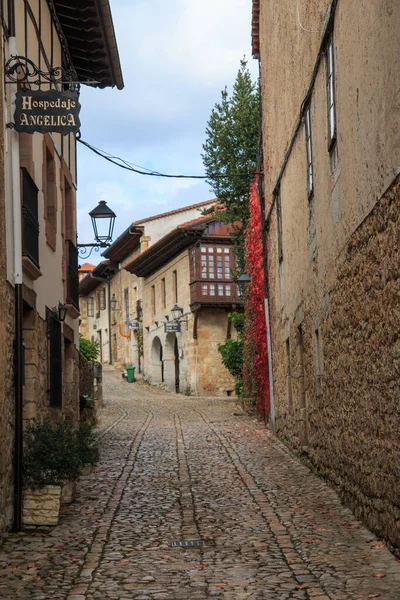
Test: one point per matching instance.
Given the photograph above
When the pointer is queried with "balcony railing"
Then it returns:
(72, 275)
(30, 222)
(214, 293)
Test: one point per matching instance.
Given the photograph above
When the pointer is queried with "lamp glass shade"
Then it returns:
(62, 312)
(103, 219)
(177, 311)
(244, 278)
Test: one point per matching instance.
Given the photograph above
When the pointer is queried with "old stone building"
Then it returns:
(46, 50)
(331, 156)
(117, 323)
(188, 290)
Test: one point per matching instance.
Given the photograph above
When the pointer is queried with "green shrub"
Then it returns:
(86, 402)
(56, 452)
(232, 351)
(90, 350)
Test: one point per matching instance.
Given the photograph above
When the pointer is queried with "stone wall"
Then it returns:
(88, 383)
(343, 412)
(7, 396)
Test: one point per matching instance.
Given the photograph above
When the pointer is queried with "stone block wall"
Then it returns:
(7, 327)
(343, 412)
(88, 383)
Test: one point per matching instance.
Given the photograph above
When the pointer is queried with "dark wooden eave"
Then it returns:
(163, 251)
(123, 246)
(88, 29)
(173, 243)
(95, 278)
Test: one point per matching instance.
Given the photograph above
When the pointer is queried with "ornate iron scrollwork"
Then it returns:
(20, 69)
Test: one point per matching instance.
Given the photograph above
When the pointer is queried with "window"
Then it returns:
(318, 362)
(30, 222)
(330, 93)
(228, 290)
(220, 289)
(90, 307)
(289, 378)
(163, 293)
(279, 225)
(126, 304)
(72, 275)
(102, 299)
(175, 285)
(50, 192)
(307, 123)
(55, 363)
(212, 289)
(204, 289)
(153, 299)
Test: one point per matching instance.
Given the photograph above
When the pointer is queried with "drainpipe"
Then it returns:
(18, 343)
(265, 263)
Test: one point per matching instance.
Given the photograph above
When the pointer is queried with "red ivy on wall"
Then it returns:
(255, 370)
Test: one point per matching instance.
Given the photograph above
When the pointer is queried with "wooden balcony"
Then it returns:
(214, 293)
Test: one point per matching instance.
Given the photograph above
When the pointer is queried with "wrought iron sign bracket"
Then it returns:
(22, 70)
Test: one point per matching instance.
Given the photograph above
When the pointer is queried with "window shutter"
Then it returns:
(55, 363)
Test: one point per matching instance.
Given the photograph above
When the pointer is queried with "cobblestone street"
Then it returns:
(176, 468)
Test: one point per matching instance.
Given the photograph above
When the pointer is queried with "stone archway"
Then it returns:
(155, 374)
(171, 363)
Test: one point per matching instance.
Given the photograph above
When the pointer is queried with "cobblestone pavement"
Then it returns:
(175, 468)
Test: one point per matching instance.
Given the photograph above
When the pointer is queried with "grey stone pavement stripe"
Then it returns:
(190, 530)
(100, 539)
(296, 564)
(123, 415)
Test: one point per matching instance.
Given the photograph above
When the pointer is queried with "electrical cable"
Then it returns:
(124, 164)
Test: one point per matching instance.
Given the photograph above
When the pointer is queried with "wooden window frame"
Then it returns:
(163, 293)
(90, 307)
(175, 285)
(308, 133)
(330, 93)
(279, 225)
(153, 300)
(126, 304)
(49, 185)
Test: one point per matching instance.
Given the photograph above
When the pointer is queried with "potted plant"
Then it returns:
(54, 455)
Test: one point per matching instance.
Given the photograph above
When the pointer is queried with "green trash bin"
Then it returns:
(130, 371)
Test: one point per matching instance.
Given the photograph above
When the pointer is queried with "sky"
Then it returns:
(176, 57)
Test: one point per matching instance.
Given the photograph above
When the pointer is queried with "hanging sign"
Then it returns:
(46, 112)
(134, 325)
(172, 326)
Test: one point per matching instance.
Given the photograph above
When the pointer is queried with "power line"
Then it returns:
(124, 164)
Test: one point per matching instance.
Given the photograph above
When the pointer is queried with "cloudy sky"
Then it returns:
(176, 56)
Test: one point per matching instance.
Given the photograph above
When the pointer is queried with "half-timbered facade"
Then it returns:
(47, 45)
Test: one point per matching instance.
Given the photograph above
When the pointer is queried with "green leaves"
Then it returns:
(231, 149)
(90, 350)
(232, 351)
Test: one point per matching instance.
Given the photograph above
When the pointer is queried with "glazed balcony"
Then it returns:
(211, 283)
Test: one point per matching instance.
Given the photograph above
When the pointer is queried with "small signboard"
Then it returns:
(133, 325)
(172, 326)
(46, 112)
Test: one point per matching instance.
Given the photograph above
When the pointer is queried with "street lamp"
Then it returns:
(103, 219)
(103, 230)
(177, 312)
(244, 278)
(60, 312)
